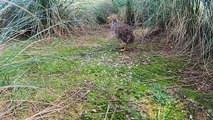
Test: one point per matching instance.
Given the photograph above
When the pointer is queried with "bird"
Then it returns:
(121, 31)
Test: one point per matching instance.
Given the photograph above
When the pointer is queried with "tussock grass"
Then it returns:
(187, 22)
(37, 18)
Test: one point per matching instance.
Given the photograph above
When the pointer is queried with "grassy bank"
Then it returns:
(87, 79)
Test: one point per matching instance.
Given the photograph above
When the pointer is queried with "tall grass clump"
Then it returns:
(38, 19)
(23, 18)
(191, 27)
(187, 22)
(103, 9)
(32, 18)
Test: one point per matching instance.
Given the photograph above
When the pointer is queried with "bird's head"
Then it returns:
(112, 17)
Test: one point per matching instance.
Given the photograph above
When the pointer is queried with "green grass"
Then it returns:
(117, 85)
(203, 99)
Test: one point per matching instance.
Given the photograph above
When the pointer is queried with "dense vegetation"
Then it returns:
(41, 73)
(188, 23)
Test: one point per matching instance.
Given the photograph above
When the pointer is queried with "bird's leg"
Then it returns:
(125, 48)
(120, 46)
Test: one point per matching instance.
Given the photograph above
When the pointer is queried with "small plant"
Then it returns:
(160, 95)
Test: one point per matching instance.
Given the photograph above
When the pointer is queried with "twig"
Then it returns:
(113, 113)
(2, 115)
(107, 112)
(22, 8)
(51, 109)
(56, 108)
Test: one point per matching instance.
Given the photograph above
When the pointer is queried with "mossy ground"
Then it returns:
(88, 79)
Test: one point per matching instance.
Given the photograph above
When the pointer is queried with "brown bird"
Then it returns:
(122, 31)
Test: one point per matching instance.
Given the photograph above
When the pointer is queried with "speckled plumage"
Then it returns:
(122, 31)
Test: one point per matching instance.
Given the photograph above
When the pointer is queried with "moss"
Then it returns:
(67, 67)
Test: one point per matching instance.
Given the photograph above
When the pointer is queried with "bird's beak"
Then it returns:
(109, 19)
